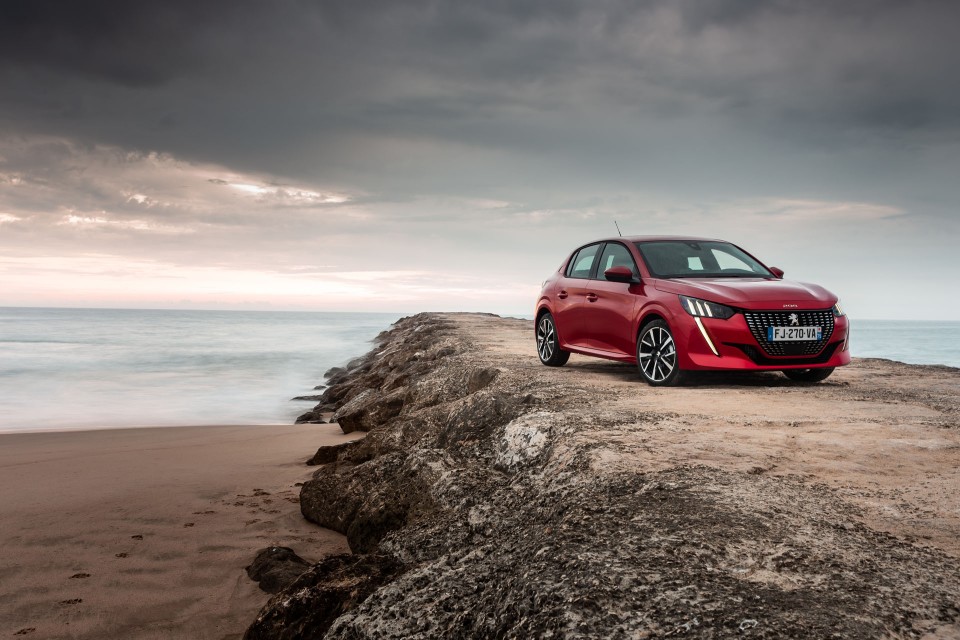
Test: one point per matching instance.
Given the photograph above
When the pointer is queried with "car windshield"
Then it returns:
(706, 259)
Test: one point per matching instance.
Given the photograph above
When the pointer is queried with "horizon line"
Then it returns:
(391, 312)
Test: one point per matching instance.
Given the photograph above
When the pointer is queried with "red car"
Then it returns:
(677, 304)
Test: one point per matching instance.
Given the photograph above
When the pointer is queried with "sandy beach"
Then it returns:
(144, 533)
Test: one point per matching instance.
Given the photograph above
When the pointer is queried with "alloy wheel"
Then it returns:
(657, 354)
(546, 338)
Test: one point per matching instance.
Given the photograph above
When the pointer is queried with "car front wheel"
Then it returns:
(548, 345)
(808, 375)
(657, 355)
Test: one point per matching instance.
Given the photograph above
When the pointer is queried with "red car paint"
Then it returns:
(597, 317)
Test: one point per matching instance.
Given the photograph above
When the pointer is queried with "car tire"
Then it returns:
(548, 344)
(657, 358)
(808, 375)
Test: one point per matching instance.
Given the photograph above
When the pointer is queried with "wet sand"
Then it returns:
(144, 533)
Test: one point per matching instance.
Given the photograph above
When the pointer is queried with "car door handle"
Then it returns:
(562, 295)
(591, 297)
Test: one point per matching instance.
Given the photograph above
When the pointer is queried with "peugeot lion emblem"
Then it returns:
(794, 320)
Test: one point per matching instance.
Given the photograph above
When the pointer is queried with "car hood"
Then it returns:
(751, 293)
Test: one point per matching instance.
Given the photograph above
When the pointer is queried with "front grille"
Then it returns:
(754, 354)
(758, 321)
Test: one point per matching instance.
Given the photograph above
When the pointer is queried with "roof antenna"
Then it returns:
(618, 228)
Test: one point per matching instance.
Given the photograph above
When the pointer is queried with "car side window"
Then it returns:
(616, 255)
(582, 263)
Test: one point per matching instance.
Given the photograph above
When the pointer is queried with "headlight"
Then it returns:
(838, 310)
(703, 309)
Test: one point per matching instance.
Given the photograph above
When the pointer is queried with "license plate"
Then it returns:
(787, 334)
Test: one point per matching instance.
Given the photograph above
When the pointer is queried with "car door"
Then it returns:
(610, 307)
(572, 293)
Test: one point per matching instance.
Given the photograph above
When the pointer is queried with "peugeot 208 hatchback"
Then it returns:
(676, 304)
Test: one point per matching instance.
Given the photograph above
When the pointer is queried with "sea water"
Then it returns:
(911, 341)
(95, 368)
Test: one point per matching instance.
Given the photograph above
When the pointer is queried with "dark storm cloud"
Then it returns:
(129, 43)
(738, 50)
(420, 97)
(257, 80)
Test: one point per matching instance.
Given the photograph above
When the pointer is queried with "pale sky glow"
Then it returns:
(134, 225)
(299, 196)
(408, 156)
(249, 188)
(31, 281)
(829, 211)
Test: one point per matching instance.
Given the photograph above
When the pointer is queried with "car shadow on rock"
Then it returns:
(625, 372)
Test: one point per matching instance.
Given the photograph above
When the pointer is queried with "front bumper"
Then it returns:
(736, 347)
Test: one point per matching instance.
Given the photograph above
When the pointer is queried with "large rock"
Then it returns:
(369, 409)
(367, 501)
(317, 597)
(329, 453)
(316, 415)
(652, 555)
(275, 568)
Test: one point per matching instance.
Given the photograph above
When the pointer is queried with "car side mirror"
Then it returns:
(619, 274)
(776, 271)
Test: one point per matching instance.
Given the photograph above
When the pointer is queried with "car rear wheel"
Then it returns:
(808, 375)
(548, 346)
(657, 355)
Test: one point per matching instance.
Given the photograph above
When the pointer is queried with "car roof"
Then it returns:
(658, 238)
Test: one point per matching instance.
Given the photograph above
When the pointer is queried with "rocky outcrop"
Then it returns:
(328, 453)
(328, 590)
(476, 508)
(369, 409)
(342, 497)
(275, 568)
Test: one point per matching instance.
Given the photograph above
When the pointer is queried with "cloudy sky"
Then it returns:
(447, 155)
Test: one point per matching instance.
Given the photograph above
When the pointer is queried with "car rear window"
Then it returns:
(582, 263)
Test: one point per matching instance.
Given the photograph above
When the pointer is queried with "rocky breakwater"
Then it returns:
(493, 497)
